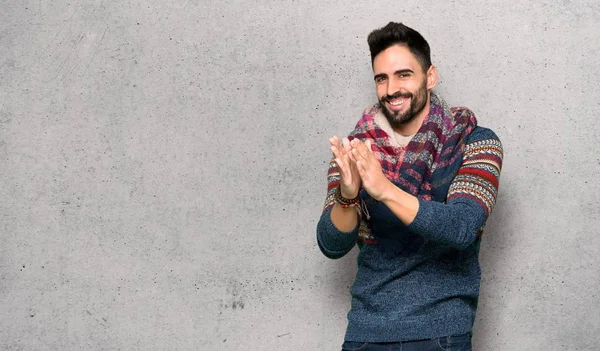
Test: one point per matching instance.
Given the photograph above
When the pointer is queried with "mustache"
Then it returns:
(396, 95)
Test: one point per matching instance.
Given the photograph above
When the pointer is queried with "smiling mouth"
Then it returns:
(396, 104)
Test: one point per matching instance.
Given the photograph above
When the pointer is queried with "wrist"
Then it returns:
(346, 194)
(345, 201)
(387, 192)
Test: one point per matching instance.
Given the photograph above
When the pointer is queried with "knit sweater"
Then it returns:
(422, 280)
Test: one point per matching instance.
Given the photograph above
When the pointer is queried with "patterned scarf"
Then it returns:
(427, 165)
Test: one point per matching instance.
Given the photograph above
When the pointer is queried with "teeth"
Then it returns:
(397, 102)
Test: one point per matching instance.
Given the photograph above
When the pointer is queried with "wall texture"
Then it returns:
(162, 168)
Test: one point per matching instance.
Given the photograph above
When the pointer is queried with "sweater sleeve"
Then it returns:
(471, 196)
(333, 242)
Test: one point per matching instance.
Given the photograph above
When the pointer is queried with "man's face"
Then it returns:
(402, 86)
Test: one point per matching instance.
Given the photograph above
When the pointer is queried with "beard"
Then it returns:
(418, 100)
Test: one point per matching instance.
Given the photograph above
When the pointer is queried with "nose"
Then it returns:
(393, 86)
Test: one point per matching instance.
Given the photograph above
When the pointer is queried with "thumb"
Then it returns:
(369, 143)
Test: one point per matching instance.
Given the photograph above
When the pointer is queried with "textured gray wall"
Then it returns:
(162, 168)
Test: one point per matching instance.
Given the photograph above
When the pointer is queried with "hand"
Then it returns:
(349, 177)
(369, 169)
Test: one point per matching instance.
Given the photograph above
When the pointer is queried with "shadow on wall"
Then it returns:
(492, 257)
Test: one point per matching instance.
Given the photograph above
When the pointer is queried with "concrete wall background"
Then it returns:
(162, 168)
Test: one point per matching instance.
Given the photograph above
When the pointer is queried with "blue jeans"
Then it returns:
(444, 343)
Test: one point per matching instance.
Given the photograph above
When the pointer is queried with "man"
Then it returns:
(412, 186)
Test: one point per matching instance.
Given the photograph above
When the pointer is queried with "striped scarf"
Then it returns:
(427, 165)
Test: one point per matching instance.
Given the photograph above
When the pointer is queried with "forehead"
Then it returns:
(394, 58)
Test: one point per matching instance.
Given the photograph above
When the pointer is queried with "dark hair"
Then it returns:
(397, 33)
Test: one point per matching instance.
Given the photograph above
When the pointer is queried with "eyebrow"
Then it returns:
(400, 71)
(406, 70)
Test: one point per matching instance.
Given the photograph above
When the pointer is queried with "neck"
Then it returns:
(415, 124)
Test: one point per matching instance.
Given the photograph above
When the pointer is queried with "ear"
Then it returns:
(432, 77)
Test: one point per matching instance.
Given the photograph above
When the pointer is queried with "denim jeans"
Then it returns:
(444, 343)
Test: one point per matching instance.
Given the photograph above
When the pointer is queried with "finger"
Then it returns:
(341, 169)
(355, 143)
(368, 151)
(342, 151)
(349, 159)
(362, 171)
(363, 150)
(336, 152)
(342, 158)
(359, 154)
(346, 148)
(355, 155)
(335, 149)
(345, 170)
(351, 155)
(335, 141)
(346, 144)
(369, 144)
(332, 146)
(360, 146)
(341, 145)
(341, 165)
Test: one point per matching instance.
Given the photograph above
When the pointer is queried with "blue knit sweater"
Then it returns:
(422, 280)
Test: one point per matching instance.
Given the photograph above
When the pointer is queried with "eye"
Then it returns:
(380, 79)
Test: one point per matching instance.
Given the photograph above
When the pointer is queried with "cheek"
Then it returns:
(381, 91)
(413, 86)
(415, 89)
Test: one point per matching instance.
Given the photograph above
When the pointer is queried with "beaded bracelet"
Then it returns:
(344, 202)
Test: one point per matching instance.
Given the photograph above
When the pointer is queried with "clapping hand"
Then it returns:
(369, 169)
(349, 175)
